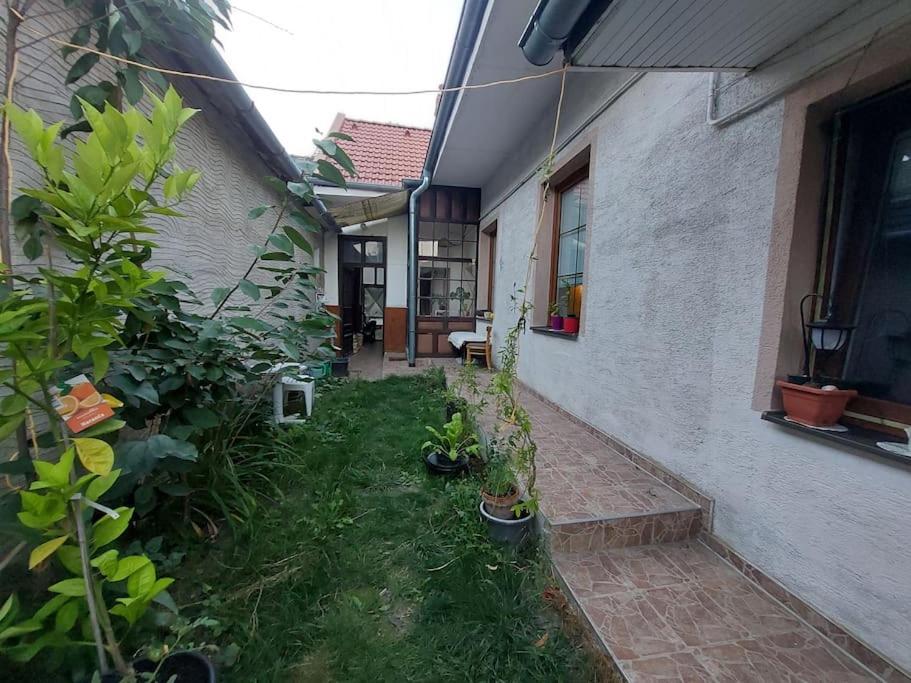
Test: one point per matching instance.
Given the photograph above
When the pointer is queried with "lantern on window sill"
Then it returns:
(826, 336)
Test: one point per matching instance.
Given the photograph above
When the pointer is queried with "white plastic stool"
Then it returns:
(291, 377)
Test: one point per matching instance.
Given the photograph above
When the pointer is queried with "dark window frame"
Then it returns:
(872, 411)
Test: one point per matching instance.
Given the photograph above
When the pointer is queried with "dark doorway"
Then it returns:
(362, 291)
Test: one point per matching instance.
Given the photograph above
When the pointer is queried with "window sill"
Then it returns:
(555, 333)
(856, 437)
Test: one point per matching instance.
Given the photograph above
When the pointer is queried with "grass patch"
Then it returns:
(368, 569)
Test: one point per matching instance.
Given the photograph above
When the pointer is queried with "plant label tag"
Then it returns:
(79, 404)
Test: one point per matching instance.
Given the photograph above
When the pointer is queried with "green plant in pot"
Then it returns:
(448, 451)
(555, 320)
(499, 490)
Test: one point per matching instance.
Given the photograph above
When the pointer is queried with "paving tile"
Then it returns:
(800, 655)
(678, 612)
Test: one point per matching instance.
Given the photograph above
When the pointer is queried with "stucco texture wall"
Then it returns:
(665, 361)
(211, 244)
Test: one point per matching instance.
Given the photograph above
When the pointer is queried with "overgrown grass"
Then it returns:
(368, 569)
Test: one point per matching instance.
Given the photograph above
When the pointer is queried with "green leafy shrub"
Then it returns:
(94, 202)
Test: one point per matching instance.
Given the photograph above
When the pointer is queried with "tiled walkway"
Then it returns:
(662, 604)
(678, 612)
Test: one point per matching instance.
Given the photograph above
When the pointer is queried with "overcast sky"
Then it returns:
(340, 45)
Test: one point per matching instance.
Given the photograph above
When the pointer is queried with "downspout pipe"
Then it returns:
(413, 266)
(470, 22)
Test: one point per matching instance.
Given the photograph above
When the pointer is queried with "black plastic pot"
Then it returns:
(440, 464)
(509, 531)
(340, 367)
(188, 667)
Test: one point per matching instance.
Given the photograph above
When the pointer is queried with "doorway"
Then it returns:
(362, 292)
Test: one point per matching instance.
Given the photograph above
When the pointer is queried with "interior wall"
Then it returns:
(682, 220)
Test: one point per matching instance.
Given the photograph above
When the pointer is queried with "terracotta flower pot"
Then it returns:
(500, 506)
(814, 407)
(571, 324)
(556, 322)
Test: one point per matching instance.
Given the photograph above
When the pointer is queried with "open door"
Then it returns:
(362, 290)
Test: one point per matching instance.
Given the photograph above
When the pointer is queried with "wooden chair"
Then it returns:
(479, 349)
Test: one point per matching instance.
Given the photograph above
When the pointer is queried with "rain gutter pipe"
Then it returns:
(470, 22)
(549, 28)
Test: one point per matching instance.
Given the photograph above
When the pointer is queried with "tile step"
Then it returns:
(678, 612)
(623, 531)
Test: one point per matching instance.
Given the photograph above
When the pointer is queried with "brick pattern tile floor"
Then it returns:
(677, 612)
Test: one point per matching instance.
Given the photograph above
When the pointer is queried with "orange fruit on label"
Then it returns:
(90, 401)
(83, 391)
(68, 405)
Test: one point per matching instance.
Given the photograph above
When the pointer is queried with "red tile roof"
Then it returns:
(383, 153)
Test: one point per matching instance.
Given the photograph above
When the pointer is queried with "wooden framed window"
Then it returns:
(865, 260)
(491, 233)
(568, 250)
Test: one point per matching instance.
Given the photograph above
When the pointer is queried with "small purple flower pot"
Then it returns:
(556, 322)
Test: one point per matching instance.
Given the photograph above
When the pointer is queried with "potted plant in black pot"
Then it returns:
(511, 459)
(448, 451)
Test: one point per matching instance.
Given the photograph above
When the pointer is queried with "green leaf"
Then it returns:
(13, 405)
(201, 418)
(165, 600)
(112, 424)
(56, 474)
(141, 581)
(219, 294)
(9, 426)
(23, 207)
(51, 606)
(66, 617)
(75, 588)
(100, 485)
(282, 243)
(100, 363)
(128, 565)
(340, 136)
(32, 248)
(306, 221)
(250, 289)
(95, 455)
(298, 239)
(141, 457)
(302, 190)
(259, 211)
(330, 173)
(81, 67)
(8, 607)
(80, 37)
(108, 529)
(276, 256)
(106, 562)
(248, 323)
(132, 87)
(44, 551)
(69, 558)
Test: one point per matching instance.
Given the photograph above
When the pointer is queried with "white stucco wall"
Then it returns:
(395, 230)
(211, 244)
(666, 358)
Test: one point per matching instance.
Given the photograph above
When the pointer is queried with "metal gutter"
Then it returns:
(470, 22)
(549, 27)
